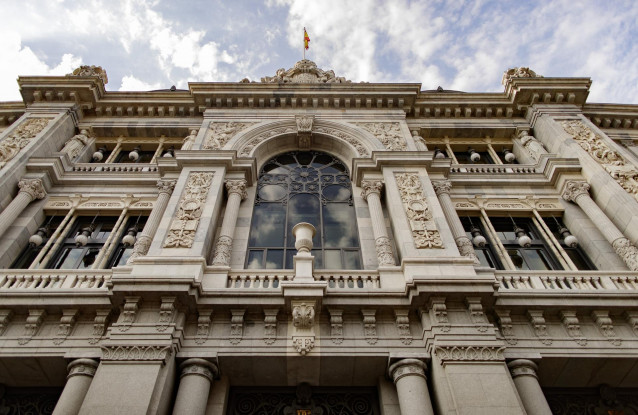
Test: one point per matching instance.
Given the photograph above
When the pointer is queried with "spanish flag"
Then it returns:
(306, 39)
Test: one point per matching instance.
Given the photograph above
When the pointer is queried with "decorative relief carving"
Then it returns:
(606, 327)
(442, 186)
(424, 230)
(82, 367)
(100, 324)
(407, 367)
(384, 251)
(248, 147)
(303, 315)
(181, 234)
(572, 325)
(303, 344)
(203, 325)
(223, 250)
(32, 325)
(627, 251)
(370, 326)
(189, 140)
(135, 353)
(67, 321)
(475, 308)
(438, 314)
(403, 326)
(166, 313)
(129, 313)
(534, 147)
(466, 248)
(221, 133)
(5, 319)
(346, 137)
(199, 367)
(236, 325)
(305, 71)
(505, 324)
(33, 187)
(574, 189)
(20, 138)
(625, 174)
(388, 133)
(166, 186)
(336, 325)
(518, 72)
(371, 187)
(270, 325)
(304, 130)
(631, 316)
(469, 353)
(90, 70)
(539, 326)
(74, 146)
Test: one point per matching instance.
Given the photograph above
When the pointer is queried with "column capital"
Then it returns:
(407, 367)
(237, 186)
(369, 187)
(573, 189)
(33, 187)
(199, 367)
(442, 186)
(82, 367)
(522, 367)
(166, 185)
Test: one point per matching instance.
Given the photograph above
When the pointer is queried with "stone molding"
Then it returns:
(199, 367)
(389, 134)
(468, 353)
(370, 326)
(424, 231)
(248, 147)
(20, 137)
(82, 367)
(221, 133)
(369, 187)
(135, 353)
(32, 187)
(181, 233)
(407, 367)
(523, 367)
(363, 152)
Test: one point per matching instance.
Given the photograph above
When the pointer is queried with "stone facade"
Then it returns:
(497, 234)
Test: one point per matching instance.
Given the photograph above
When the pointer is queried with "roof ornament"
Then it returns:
(90, 70)
(304, 72)
(522, 72)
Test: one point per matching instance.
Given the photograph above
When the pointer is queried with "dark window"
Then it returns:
(464, 157)
(575, 253)
(304, 187)
(144, 157)
(30, 253)
(486, 254)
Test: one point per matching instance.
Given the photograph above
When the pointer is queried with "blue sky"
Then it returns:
(462, 45)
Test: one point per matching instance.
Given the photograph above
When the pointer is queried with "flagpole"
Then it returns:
(304, 43)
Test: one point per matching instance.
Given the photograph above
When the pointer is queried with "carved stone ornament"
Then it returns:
(520, 72)
(141, 247)
(82, 367)
(336, 325)
(369, 187)
(370, 326)
(33, 187)
(166, 186)
(129, 313)
(303, 344)
(5, 318)
(403, 326)
(505, 324)
(303, 316)
(534, 147)
(304, 130)
(181, 233)
(204, 321)
(67, 321)
(407, 367)
(625, 174)
(384, 251)
(606, 326)
(270, 326)
(254, 142)
(237, 186)
(304, 72)
(221, 133)
(166, 313)
(199, 367)
(20, 137)
(223, 249)
(32, 325)
(74, 146)
(469, 353)
(135, 353)
(438, 314)
(344, 136)
(466, 248)
(572, 326)
(631, 316)
(522, 367)
(236, 325)
(540, 328)
(424, 231)
(574, 189)
(388, 133)
(627, 251)
(90, 70)
(189, 140)
(475, 309)
(442, 186)
(100, 323)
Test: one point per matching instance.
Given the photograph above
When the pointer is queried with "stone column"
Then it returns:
(30, 189)
(578, 192)
(81, 372)
(412, 389)
(524, 374)
(194, 386)
(236, 193)
(442, 189)
(372, 194)
(143, 242)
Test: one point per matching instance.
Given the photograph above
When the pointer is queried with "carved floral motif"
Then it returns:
(388, 133)
(477, 315)
(129, 313)
(303, 315)
(505, 324)
(67, 321)
(33, 187)
(223, 250)
(303, 344)
(606, 326)
(20, 138)
(438, 314)
(181, 234)
(384, 251)
(100, 324)
(572, 325)
(236, 325)
(135, 353)
(203, 325)
(166, 313)
(32, 325)
(469, 353)
(5, 318)
(221, 133)
(403, 326)
(270, 326)
(424, 230)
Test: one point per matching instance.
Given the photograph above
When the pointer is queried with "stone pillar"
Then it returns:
(442, 189)
(194, 386)
(236, 193)
(81, 372)
(578, 192)
(372, 194)
(144, 240)
(412, 389)
(30, 189)
(524, 374)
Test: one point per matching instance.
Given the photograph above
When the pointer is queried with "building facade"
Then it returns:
(309, 245)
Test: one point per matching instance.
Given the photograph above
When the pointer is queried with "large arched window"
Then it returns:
(304, 186)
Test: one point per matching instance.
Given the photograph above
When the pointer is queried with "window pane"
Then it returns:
(125, 254)
(303, 208)
(332, 259)
(352, 260)
(289, 254)
(517, 259)
(536, 259)
(267, 228)
(254, 259)
(275, 259)
(69, 258)
(578, 260)
(88, 259)
(318, 258)
(484, 258)
(340, 226)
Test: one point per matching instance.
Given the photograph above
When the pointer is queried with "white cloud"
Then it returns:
(131, 83)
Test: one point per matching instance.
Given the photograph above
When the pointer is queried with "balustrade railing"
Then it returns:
(493, 169)
(115, 167)
(567, 280)
(335, 280)
(45, 280)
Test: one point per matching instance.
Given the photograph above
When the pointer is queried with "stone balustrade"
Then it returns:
(21, 280)
(492, 169)
(115, 167)
(350, 280)
(353, 280)
(258, 280)
(567, 280)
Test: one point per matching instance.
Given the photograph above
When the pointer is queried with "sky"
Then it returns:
(455, 44)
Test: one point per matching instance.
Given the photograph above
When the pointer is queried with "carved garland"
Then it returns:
(424, 230)
(20, 138)
(181, 234)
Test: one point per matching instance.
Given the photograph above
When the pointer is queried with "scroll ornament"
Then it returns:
(424, 231)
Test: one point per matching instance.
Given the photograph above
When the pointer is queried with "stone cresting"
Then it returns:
(388, 133)
(519, 72)
(424, 231)
(622, 172)
(74, 145)
(20, 138)
(304, 72)
(91, 70)
(221, 133)
(469, 353)
(181, 234)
